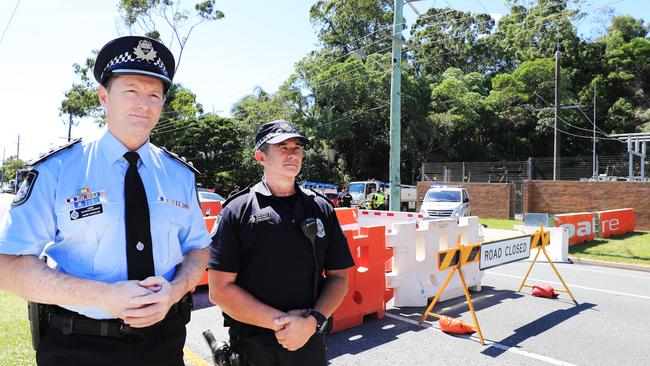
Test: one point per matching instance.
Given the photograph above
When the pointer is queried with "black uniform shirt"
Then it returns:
(260, 238)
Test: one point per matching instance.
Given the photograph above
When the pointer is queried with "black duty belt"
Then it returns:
(70, 322)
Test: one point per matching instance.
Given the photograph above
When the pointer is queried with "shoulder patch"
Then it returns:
(25, 189)
(312, 192)
(181, 160)
(41, 158)
(234, 195)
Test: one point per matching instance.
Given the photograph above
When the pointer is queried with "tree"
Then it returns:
(345, 25)
(81, 99)
(152, 16)
(450, 38)
(11, 164)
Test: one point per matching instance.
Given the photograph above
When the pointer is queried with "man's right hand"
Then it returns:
(119, 294)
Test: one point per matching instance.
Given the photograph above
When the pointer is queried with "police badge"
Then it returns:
(321, 229)
(25, 189)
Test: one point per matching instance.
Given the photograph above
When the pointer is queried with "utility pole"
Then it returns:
(69, 126)
(2, 179)
(395, 108)
(594, 147)
(18, 149)
(556, 141)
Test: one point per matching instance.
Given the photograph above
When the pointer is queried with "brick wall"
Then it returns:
(493, 200)
(568, 196)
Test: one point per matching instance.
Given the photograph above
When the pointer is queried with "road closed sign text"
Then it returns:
(500, 252)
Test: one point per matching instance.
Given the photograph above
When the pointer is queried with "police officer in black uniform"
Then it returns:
(264, 259)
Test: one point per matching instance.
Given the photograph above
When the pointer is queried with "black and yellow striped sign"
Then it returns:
(540, 239)
(464, 254)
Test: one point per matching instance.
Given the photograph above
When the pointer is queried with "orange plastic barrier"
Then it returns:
(209, 223)
(367, 293)
(210, 208)
(581, 226)
(616, 222)
(348, 218)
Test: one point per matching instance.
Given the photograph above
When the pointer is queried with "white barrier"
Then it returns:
(558, 248)
(373, 218)
(415, 276)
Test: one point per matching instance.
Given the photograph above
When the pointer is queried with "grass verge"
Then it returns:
(16, 349)
(629, 248)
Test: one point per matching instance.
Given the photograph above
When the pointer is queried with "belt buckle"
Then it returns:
(124, 329)
(68, 323)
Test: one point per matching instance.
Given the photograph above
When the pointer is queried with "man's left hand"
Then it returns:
(150, 309)
(296, 332)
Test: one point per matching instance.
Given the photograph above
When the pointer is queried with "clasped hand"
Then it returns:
(294, 329)
(141, 303)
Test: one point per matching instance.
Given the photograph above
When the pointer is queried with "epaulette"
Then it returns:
(320, 195)
(53, 152)
(181, 160)
(234, 195)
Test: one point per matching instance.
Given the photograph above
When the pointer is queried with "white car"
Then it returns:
(443, 201)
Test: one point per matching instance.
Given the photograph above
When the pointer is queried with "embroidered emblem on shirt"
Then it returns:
(80, 213)
(85, 197)
(25, 189)
(321, 229)
(173, 202)
(260, 217)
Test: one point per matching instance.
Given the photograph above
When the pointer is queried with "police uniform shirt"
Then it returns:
(260, 238)
(76, 202)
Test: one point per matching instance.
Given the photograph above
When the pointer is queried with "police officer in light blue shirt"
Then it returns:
(112, 300)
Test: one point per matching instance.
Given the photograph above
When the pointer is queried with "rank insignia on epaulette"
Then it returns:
(51, 152)
(182, 160)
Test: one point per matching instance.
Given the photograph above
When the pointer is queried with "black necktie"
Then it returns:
(139, 253)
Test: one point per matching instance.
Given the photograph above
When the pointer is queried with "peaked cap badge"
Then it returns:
(144, 51)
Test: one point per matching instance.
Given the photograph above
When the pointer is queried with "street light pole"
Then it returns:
(395, 106)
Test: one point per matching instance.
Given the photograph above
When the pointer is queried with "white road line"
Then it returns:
(610, 271)
(572, 285)
(487, 343)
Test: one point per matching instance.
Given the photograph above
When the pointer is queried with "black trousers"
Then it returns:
(161, 346)
(261, 348)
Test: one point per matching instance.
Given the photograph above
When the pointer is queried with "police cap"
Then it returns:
(135, 55)
(277, 131)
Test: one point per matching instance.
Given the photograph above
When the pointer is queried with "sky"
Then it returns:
(256, 44)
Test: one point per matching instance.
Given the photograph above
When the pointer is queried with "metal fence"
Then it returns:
(569, 168)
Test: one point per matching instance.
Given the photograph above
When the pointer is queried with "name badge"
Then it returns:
(88, 211)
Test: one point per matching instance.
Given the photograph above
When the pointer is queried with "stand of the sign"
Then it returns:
(455, 268)
(540, 240)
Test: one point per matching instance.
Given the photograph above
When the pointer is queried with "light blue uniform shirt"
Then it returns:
(77, 204)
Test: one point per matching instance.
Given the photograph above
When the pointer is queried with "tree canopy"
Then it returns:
(473, 89)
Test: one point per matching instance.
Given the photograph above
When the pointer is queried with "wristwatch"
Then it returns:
(321, 320)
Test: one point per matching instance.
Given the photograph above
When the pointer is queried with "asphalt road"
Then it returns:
(609, 325)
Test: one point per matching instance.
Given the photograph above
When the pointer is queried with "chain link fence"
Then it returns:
(608, 168)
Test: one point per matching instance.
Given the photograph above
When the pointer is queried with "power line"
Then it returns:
(9, 22)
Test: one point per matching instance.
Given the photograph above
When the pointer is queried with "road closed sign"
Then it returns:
(496, 253)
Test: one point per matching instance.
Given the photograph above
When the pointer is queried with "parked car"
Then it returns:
(443, 201)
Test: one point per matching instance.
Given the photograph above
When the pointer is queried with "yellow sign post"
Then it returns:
(455, 258)
(540, 240)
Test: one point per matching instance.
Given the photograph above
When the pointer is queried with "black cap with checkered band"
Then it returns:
(275, 132)
(135, 55)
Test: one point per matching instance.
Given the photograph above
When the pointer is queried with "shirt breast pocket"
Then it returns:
(78, 248)
(166, 231)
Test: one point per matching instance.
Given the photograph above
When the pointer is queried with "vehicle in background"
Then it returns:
(211, 202)
(327, 189)
(444, 201)
(362, 190)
